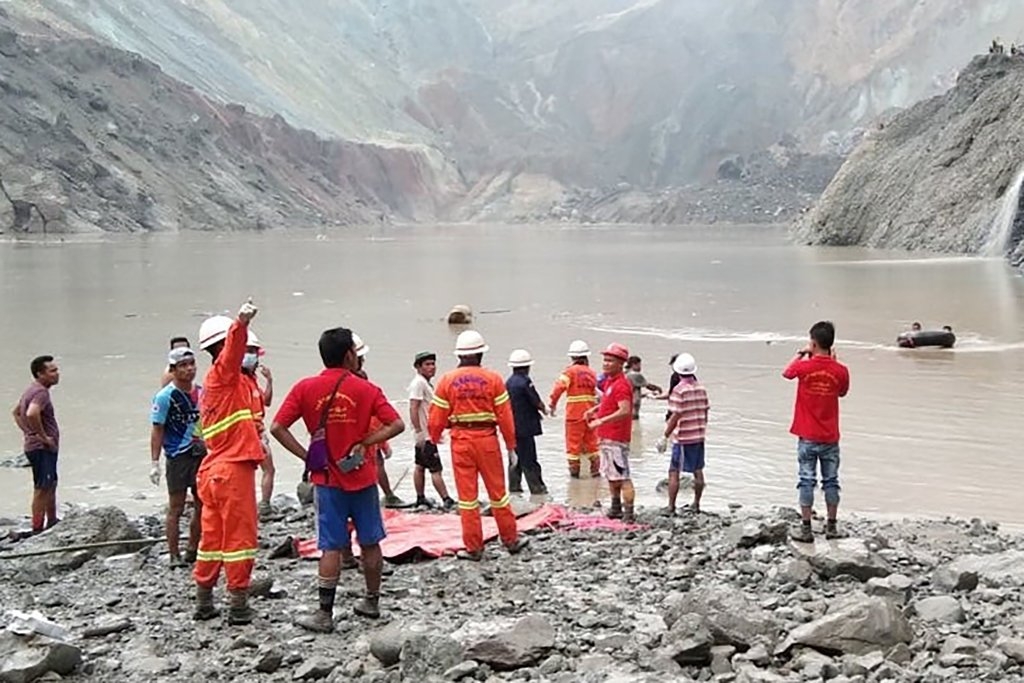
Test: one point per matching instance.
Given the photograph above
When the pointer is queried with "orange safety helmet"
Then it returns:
(617, 350)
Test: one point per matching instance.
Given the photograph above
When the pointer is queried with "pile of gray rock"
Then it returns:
(708, 598)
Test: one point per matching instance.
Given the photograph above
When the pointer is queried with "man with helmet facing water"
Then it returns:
(579, 384)
(473, 403)
(226, 481)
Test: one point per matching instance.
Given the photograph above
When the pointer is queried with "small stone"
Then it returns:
(900, 654)
(552, 665)
(314, 668)
(594, 664)
(940, 609)
(269, 661)
(462, 670)
(896, 587)
(950, 579)
(720, 659)
(106, 625)
(958, 645)
(1012, 648)
(689, 641)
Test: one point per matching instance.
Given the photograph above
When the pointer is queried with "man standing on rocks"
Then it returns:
(175, 430)
(427, 459)
(473, 402)
(527, 408)
(579, 384)
(262, 397)
(342, 404)
(687, 426)
(611, 420)
(227, 477)
(822, 381)
(37, 420)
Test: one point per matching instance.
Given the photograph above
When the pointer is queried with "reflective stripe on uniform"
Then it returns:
(501, 398)
(240, 555)
(223, 425)
(503, 503)
(209, 556)
(472, 417)
(581, 398)
(469, 504)
(440, 402)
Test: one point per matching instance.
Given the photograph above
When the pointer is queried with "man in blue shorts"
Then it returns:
(175, 420)
(687, 426)
(342, 403)
(37, 420)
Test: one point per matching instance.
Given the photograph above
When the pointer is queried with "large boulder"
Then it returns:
(689, 641)
(426, 655)
(26, 658)
(857, 626)
(848, 556)
(511, 646)
(105, 525)
(999, 569)
(732, 618)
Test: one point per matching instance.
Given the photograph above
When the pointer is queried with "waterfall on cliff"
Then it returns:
(1002, 227)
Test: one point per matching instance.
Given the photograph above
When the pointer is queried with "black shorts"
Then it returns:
(182, 470)
(427, 457)
(44, 468)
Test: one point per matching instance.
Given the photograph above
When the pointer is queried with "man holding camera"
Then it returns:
(822, 381)
(342, 404)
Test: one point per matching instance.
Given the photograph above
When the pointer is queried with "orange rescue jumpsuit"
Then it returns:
(579, 383)
(472, 401)
(227, 478)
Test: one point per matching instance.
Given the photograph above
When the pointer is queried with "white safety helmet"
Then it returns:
(579, 349)
(252, 340)
(684, 364)
(520, 358)
(359, 345)
(470, 343)
(214, 330)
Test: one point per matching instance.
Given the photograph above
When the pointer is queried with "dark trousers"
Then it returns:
(528, 467)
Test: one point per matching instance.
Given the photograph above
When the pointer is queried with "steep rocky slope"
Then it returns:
(587, 93)
(938, 175)
(97, 138)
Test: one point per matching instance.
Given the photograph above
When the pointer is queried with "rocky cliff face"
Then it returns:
(97, 138)
(937, 176)
(654, 93)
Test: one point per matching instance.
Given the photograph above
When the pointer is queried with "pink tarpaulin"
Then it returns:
(432, 535)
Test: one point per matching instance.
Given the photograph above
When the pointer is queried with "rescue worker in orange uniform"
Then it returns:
(226, 481)
(579, 384)
(261, 400)
(473, 403)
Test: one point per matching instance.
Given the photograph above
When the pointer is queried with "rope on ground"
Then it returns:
(83, 546)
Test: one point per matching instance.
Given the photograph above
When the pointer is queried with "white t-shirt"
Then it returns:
(420, 390)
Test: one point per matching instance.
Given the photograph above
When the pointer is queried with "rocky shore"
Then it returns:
(707, 598)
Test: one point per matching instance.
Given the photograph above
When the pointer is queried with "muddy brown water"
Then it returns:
(925, 432)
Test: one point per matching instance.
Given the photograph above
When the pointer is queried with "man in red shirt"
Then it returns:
(611, 419)
(822, 381)
(347, 489)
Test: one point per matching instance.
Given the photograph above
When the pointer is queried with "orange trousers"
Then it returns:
(228, 493)
(477, 455)
(581, 442)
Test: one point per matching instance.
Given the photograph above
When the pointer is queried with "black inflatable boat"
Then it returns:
(939, 338)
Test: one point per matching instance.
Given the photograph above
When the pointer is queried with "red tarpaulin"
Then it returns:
(412, 535)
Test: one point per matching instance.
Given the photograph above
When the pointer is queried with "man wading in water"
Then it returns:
(37, 420)
(822, 381)
(175, 422)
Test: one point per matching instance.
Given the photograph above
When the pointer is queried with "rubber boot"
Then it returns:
(517, 546)
(535, 482)
(615, 511)
(317, 622)
(369, 606)
(627, 514)
(515, 479)
(595, 466)
(239, 612)
(205, 609)
(574, 469)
